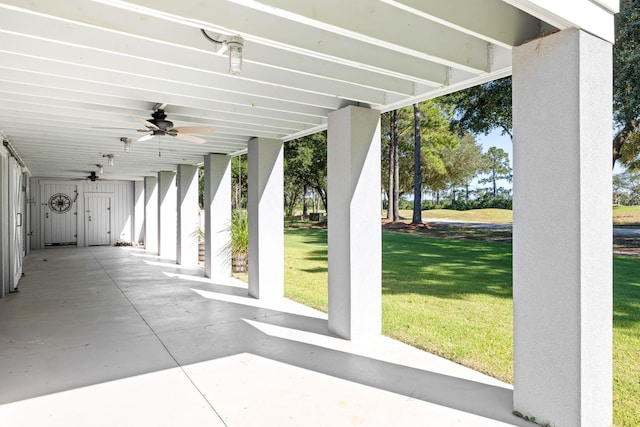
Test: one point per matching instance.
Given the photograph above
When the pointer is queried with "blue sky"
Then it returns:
(495, 139)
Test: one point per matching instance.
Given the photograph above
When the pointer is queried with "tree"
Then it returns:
(397, 126)
(436, 138)
(626, 85)
(481, 109)
(497, 166)
(626, 188)
(306, 166)
(417, 168)
(393, 192)
(463, 163)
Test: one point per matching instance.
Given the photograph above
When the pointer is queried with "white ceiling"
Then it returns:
(68, 67)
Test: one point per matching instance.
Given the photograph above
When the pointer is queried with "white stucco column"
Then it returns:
(217, 216)
(138, 212)
(562, 232)
(188, 215)
(167, 214)
(151, 213)
(266, 218)
(354, 231)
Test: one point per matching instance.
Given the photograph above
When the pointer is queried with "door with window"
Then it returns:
(97, 219)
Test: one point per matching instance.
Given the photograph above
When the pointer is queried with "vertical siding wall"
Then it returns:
(122, 208)
(13, 228)
(5, 246)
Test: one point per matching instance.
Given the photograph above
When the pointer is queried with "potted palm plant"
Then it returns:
(239, 241)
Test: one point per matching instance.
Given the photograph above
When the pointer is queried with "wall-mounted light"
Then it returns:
(234, 46)
(127, 144)
(100, 168)
(109, 159)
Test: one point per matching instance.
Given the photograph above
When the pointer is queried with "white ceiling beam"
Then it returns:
(35, 84)
(589, 15)
(382, 25)
(120, 68)
(263, 28)
(174, 34)
(46, 70)
(490, 20)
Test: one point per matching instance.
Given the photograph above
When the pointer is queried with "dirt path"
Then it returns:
(624, 244)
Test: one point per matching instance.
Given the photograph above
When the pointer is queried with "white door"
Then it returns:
(16, 222)
(98, 220)
(60, 214)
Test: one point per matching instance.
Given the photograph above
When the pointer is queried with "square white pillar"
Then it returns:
(217, 215)
(188, 215)
(138, 211)
(151, 213)
(562, 231)
(354, 232)
(266, 218)
(167, 214)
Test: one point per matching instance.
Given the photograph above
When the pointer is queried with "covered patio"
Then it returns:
(108, 108)
(106, 336)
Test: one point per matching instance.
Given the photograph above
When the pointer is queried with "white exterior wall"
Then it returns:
(122, 203)
(562, 231)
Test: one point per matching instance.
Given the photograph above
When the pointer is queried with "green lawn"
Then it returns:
(456, 302)
(626, 216)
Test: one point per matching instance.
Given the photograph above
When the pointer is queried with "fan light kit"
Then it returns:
(127, 144)
(109, 159)
(234, 45)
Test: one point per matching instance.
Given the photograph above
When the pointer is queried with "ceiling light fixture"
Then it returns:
(234, 44)
(109, 159)
(127, 144)
(100, 168)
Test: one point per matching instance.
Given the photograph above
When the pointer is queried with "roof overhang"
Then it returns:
(69, 69)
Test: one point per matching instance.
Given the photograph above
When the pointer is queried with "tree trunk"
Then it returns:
(417, 170)
(396, 166)
(620, 139)
(495, 178)
(304, 202)
(391, 172)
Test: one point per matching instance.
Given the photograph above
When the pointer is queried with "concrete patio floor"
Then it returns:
(115, 336)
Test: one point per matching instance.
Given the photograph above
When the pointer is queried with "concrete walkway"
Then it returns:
(114, 336)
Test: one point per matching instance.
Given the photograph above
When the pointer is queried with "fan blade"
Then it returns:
(192, 129)
(147, 123)
(190, 138)
(146, 137)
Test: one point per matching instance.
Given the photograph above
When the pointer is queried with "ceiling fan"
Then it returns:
(158, 125)
(93, 177)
